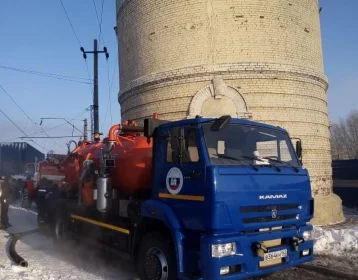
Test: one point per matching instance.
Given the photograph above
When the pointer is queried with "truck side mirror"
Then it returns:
(299, 149)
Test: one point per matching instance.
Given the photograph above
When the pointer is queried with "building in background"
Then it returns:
(250, 59)
(15, 156)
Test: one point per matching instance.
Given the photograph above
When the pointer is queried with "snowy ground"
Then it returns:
(338, 240)
(75, 262)
(72, 262)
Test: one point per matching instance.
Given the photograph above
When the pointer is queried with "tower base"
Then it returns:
(328, 210)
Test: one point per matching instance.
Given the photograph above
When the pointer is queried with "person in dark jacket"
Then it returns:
(4, 201)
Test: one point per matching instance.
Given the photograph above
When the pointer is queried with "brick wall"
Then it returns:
(269, 52)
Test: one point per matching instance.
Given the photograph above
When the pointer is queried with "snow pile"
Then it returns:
(337, 242)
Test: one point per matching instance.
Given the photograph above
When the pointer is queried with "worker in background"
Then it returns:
(4, 201)
(41, 195)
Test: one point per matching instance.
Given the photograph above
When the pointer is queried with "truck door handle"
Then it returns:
(193, 176)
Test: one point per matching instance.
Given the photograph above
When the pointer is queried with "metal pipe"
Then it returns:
(69, 145)
(86, 164)
(112, 130)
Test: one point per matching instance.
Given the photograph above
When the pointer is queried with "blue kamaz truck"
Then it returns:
(228, 199)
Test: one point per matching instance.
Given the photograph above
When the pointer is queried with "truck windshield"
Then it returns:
(249, 145)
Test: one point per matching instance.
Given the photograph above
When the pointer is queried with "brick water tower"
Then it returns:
(258, 59)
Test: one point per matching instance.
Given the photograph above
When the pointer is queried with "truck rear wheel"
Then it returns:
(156, 258)
(60, 229)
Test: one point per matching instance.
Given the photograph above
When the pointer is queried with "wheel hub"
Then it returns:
(156, 266)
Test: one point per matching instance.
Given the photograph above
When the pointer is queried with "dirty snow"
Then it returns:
(340, 240)
(75, 262)
(72, 261)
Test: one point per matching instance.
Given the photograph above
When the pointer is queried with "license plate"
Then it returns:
(275, 255)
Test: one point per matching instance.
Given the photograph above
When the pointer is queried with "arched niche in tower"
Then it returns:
(218, 99)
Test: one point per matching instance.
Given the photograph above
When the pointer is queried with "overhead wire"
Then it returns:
(99, 21)
(50, 75)
(109, 102)
(79, 43)
(45, 137)
(28, 117)
(23, 132)
(69, 20)
(52, 128)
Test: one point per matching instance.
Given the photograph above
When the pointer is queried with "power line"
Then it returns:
(15, 103)
(114, 69)
(109, 102)
(20, 129)
(79, 43)
(52, 128)
(53, 76)
(46, 137)
(100, 30)
(64, 120)
(28, 117)
(69, 20)
(42, 73)
(99, 22)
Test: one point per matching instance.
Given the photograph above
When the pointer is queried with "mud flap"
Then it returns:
(11, 243)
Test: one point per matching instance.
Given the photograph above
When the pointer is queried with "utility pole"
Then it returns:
(85, 129)
(95, 52)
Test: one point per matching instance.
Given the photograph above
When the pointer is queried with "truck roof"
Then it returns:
(233, 121)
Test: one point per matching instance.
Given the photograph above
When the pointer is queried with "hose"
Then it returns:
(11, 243)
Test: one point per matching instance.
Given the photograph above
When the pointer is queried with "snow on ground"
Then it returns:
(338, 240)
(71, 261)
(75, 262)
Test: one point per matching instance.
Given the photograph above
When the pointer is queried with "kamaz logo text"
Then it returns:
(271, 196)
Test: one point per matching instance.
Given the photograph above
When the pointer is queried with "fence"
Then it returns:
(345, 169)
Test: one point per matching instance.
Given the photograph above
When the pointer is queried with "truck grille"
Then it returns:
(268, 209)
(268, 219)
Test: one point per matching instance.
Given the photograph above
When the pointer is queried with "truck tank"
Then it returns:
(133, 162)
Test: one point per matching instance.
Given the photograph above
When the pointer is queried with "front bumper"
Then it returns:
(246, 262)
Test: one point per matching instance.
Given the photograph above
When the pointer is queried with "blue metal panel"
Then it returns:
(233, 121)
(345, 169)
(163, 212)
(246, 257)
(241, 190)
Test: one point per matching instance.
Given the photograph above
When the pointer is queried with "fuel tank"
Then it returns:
(133, 162)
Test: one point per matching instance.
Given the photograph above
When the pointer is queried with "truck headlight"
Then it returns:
(223, 250)
(307, 235)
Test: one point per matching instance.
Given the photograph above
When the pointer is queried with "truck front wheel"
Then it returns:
(157, 258)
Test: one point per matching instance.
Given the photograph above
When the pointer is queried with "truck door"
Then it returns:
(182, 182)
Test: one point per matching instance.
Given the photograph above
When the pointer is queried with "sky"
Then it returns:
(36, 35)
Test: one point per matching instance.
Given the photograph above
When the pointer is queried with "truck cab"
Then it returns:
(230, 200)
(224, 199)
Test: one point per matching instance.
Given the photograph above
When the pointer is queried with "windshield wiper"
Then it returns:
(283, 162)
(260, 159)
(240, 159)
